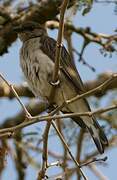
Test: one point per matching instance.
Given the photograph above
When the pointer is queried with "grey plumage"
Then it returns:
(37, 61)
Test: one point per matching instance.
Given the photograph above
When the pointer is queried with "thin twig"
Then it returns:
(16, 95)
(45, 165)
(67, 147)
(59, 124)
(94, 160)
(88, 113)
(45, 151)
(55, 77)
(81, 59)
(37, 119)
(90, 36)
(100, 87)
(79, 149)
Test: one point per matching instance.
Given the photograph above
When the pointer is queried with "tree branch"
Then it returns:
(100, 80)
(37, 119)
(55, 77)
(67, 147)
(39, 12)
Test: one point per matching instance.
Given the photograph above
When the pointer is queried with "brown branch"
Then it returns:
(79, 149)
(37, 13)
(37, 119)
(89, 36)
(90, 159)
(42, 173)
(16, 95)
(94, 154)
(67, 147)
(45, 165)
(94, 160)
(59, 124)
(40, 12)
(113, 77)
(3, 152)
(81, 59)
(19, 161)
(35, 108)
(55, 77)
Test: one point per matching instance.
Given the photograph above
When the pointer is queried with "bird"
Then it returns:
(37, 60)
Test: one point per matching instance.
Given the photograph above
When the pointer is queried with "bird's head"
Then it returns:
(29, 29)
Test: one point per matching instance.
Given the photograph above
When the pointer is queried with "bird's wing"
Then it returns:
(67, 66)
(49, 48)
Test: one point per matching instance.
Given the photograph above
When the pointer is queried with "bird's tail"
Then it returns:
(96, 132)
(98, 136)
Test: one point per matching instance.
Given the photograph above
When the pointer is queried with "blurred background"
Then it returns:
(21, 155)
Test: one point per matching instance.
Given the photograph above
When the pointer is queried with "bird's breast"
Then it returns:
(37, 68)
